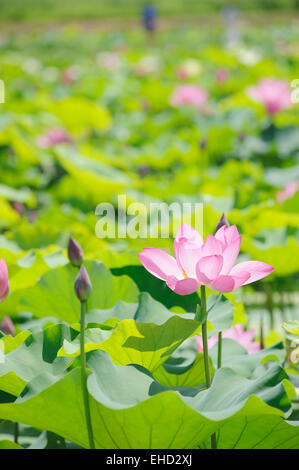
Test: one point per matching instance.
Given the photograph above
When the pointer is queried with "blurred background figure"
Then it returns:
(149, 15)
(232, 34)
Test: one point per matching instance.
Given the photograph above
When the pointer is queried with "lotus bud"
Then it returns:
(75, 253)
(18, 207)
(222, 221)
(203, 143)
(4, 282)
(7, 326)
(83, 285)
(242, 136)
(143, 170)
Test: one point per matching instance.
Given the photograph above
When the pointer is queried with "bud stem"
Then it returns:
(206, 350)
(84, 376)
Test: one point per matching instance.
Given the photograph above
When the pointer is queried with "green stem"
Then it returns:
(213, 441)
(219, 356)
(84, 377)
(206, 354)
(16, 432)
(262, 346)
(206, 350)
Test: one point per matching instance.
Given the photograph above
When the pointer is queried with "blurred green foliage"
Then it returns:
(18, 10)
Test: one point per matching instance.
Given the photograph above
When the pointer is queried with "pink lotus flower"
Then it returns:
(4, 283)
(274, 94)
(53, 137)
(245, 338)
(288, 192)
(209, 263)
(188, 95)
(221, 75)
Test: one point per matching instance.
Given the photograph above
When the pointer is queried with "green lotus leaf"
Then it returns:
(157, 289)
(237, 358)
(6, 444)
(94, 337)
(35, 355)
(132, 342)
(12, 342)
(192, 375)
(256, 432)
(77, 113)
(161, 330)
(126, 412)
(29, 236)
(291, 326)
(12, 384)
(220, 313)
(53, 295)
(91, 175)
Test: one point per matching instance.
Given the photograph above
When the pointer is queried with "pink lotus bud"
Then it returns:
(222, 221)
(7, 326)
(4, 284)
(75, 253)
(19, 207)
(83, 285)
(33, 216)
(221, 75)
(53, 137)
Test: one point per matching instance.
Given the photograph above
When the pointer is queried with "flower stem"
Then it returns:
(206, 350)
(219, 356)
(16, 432)
(84, 376)
(206, 354)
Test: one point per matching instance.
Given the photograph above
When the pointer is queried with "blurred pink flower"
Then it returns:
(4, 283)
(209, 263)
(287, 192)
(53, 137)
(191, 68)
(108, 60)
(237, 332)
(19, 207)
(7, 326)
(188, 95)
(69, 75)
(273, 93)
(221, 75)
